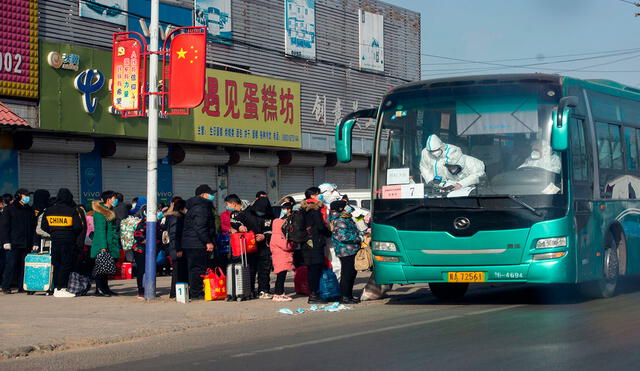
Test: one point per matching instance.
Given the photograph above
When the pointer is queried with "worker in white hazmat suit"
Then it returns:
(434, 157)
(463, 171)
(543, 157)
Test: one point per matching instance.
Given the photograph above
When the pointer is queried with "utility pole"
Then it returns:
(152, 158)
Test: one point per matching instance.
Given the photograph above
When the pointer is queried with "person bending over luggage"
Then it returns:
(346, 242)
(105, 236)
(312, 253)
(63, 222)
(281, 252)
(140, 246)
(256, 219)
(21, 225)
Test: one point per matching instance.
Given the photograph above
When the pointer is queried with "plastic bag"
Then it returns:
(329, 285)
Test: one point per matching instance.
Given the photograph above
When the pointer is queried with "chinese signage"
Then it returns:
(246, 109)
(126, 74)
(112, 11)
(216, 16)
(371, 41)
(300, 28)
(19, 48)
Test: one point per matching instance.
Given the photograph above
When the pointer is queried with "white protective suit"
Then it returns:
(432, 163)
(544, 158)
(472, 171)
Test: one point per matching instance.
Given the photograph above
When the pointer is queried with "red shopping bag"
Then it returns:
(301, 280)
(215, 285)
(243, 242)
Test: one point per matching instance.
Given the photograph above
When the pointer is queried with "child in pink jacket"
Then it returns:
(281, 253)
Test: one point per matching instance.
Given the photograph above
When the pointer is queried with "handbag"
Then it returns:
(161, 259)
(104, 264)
(79, 284)
(215, 285)
(364, 259)
(243, 242)
(329, 286)
(222, 244)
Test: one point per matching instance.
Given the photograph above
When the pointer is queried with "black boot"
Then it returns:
(349, 301)
(316, 299)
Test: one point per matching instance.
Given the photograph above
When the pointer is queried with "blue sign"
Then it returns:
(8, 171)
(91, 175)
(216, 16)
(89, 82)
(168, 14)
(300, 28)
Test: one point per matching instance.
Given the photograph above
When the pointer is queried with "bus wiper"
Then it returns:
(411, 209)
(524, 204)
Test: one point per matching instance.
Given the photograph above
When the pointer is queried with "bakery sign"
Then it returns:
(19, 48)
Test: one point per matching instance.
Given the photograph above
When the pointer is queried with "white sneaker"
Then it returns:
(63, 293)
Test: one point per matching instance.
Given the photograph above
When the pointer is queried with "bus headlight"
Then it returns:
(384, 246)
(549, 243)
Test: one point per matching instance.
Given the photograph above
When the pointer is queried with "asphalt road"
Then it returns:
(513, 328)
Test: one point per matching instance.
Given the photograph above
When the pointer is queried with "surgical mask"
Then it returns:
(535, 155)
(160, 215)
(229, 208)
(436, 153)
(348, 209)
(115, 202)
(26, 199)
(211, 197)
(260, 213)
(283, 213)
(321, 197)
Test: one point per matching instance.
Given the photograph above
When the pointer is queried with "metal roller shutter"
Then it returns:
(344, 178)
(126, 176)
(187, 178)
(50, 171)
(295, 179)
(246, 181)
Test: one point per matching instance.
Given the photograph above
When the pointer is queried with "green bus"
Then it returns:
(530, 178)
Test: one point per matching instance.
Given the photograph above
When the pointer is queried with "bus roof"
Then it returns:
(603, 86)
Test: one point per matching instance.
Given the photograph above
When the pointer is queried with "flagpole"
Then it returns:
(152, 159)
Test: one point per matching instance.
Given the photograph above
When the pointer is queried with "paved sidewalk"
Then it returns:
(38, 323)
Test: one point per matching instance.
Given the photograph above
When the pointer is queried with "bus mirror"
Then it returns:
(344, 130)
(560, 131)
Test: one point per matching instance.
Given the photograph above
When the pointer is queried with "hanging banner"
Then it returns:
(187, 65)
(112, 11)
(246, 109)
(300, 28)
(19, 48)
(125, 64)
(371, 41)
(216, 16)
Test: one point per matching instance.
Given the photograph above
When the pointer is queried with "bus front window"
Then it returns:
(485, 141)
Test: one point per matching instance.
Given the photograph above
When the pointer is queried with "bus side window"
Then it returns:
(580, 160)
(611, 161)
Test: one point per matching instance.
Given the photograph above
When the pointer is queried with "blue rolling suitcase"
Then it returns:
(38, 272)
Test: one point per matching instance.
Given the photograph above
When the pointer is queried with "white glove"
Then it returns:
(35, 248)
(6, 246)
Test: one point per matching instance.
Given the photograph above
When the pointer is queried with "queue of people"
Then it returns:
(188, 235)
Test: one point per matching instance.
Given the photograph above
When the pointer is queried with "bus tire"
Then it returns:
(606, 286)
(448, 291)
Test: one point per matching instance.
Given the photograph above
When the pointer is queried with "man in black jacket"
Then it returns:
(62, 222)
(313, 256)
(5, 201)
(257, 218)
(22, 225)
(198, 237)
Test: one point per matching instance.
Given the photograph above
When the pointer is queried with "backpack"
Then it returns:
(295, 228)
(127, 228)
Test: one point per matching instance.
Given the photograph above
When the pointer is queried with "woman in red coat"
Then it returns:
(281, 253)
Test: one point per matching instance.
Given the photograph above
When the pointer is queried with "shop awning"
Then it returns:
(7, 117)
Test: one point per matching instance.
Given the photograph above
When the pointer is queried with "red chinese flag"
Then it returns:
(187, 68)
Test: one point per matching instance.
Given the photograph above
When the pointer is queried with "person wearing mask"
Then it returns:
(105, 236)
(462, 171)
(122, 212)
(313, 254)
(433, 159)
(257, 219)
(175, 224)
(198, 236)
(41, 200)
(63, 223)
(139, 247)
(5, 201)
(21, 222)
(346, 243)
(281, 253)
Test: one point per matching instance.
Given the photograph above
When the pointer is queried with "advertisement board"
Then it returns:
(247, 109)
(216, 16)
(371, 41)
(112, 11)
(300, 28)
(19, 48)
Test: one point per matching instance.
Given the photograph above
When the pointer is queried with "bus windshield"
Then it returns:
(468, 142)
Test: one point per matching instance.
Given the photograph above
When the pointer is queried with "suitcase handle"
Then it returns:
(43, 244)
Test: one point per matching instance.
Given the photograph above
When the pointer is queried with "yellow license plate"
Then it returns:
(465, 277)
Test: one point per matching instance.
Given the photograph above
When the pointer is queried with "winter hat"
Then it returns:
(65, 197)
(204, 188)
(337, 205)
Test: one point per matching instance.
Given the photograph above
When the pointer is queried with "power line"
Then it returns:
(630, 2)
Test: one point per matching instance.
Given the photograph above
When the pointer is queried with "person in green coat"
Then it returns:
(105, 236)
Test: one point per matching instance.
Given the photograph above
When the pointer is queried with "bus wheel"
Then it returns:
(605, 287)
(448, 291)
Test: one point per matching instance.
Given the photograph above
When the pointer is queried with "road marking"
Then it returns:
(369, 332)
